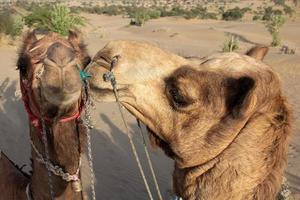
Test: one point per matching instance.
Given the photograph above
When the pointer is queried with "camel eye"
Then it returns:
(177, 99)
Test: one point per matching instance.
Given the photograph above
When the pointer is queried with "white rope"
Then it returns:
(150, 162)
(88, 124)
(134, 149)
(28, 193)
(110, 77)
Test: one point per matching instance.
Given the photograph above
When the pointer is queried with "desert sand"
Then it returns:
(115, 168)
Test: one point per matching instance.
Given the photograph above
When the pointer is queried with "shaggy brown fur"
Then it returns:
(15, 181)
(57, 96)
(225, 122)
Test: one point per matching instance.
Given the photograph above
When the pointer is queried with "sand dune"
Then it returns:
(116, 171)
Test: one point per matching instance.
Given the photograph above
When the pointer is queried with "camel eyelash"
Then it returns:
(177, 99)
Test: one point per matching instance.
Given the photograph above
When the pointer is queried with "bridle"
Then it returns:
(37, 120)
(33, 111)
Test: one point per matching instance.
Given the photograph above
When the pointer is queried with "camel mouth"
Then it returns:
(64, 98)
(99, 93)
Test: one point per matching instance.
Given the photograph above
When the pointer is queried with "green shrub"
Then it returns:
(231, 43)
(233, 14)
(268, 12)
(139, 18)
(199, 12)
(55, 18)
(288, 10)
(296, 2)
(273, 25)
(154, 14)
(279, 2)
(256, 17)
(111, 10)
(10, 24)
(139, 15)
(177, 11)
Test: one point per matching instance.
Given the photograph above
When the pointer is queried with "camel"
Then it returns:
(224, 121)
(52, 93)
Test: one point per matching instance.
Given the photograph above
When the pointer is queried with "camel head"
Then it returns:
(50, 68)
(193, 112)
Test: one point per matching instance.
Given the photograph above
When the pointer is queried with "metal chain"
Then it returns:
(87, 120)
(285, 192)
(55, 169)
(149, 161)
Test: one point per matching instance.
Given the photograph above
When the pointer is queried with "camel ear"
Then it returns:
(28, 41)
(258, 52)
(24, 60)
(238, 95)
(76, 41)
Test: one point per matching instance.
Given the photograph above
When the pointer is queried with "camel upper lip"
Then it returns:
(103, 62)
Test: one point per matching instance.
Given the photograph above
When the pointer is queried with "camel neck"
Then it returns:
(64, 150)
(250, 167)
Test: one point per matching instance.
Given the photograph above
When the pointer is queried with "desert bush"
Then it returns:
(231, 43)
(154, 14)
(55, 18)
(10, 24)
(111, 10)
(198, 11)
(233, 14)
(139, 19)
(139, 15)
(221, 10)
(296, 2)
(177, 11)
(268, 12)
(288, 10)
(273, 25)
(256, 17)
(77, 9)
(279, 2)
(210, 15)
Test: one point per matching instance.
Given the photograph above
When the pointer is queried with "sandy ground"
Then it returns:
(116, 171)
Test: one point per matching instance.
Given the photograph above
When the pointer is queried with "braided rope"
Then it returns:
(149, 161)
(110, 77)
(88, 124)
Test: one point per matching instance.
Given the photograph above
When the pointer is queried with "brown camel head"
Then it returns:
(57, 62)
(193, 112)
(51, 89)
